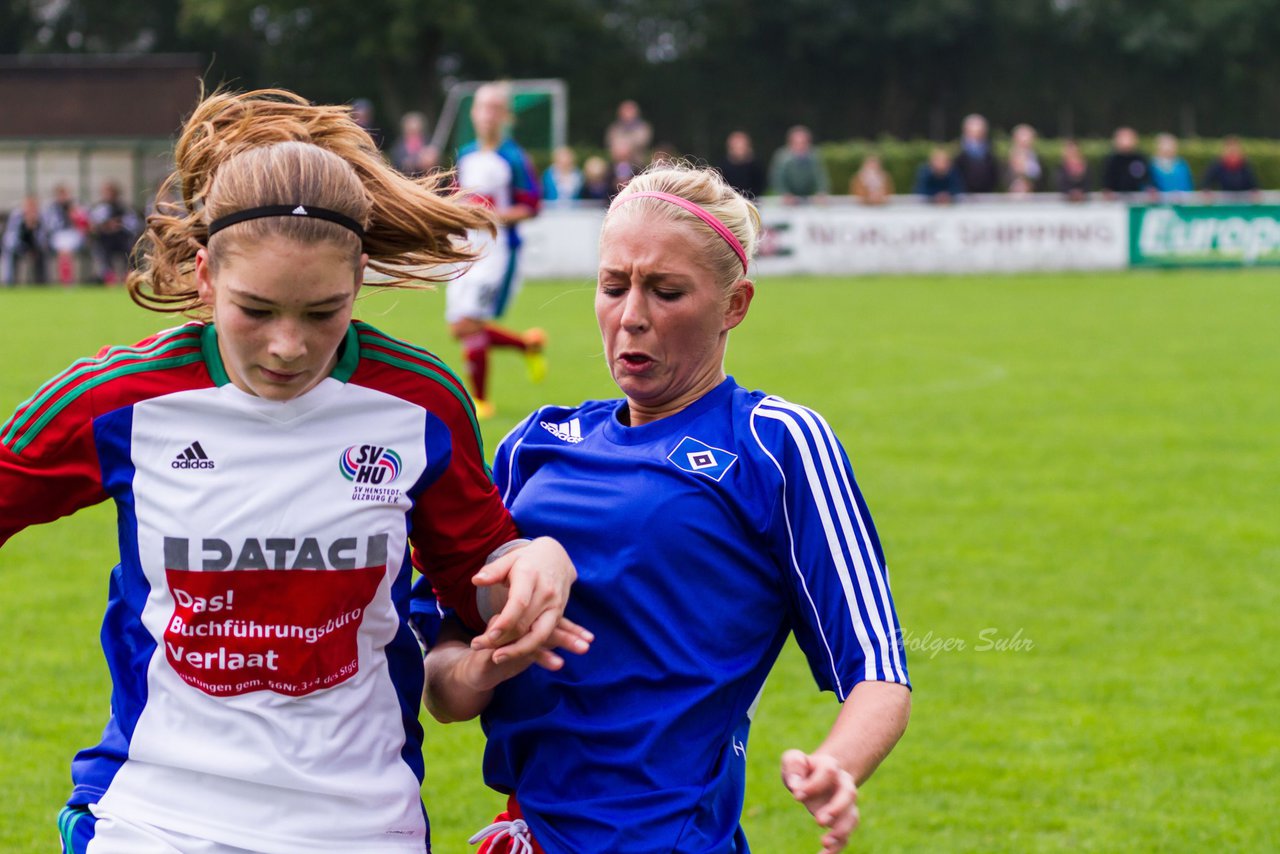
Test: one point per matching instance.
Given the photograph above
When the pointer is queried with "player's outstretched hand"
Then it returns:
(827, 791)
(537, 578)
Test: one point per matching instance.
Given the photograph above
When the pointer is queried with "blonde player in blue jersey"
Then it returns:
(707, 523)
(278, 469)
(495, 172)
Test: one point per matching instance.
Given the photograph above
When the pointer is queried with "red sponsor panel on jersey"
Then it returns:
(289, 631)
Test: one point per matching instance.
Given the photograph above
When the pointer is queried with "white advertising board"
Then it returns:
(561, 243)
(845, 239)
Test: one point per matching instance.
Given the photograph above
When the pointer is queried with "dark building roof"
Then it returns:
(96, 95)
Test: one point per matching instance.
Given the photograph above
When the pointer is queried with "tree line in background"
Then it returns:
(850, 69)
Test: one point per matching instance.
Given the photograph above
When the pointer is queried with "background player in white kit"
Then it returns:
(274, 465)
(493, 171)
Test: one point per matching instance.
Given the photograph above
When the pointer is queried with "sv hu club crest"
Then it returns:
(371, 464)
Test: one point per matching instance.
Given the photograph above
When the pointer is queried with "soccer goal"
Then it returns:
(540, 109)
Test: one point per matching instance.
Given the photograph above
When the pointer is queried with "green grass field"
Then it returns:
(1076, 480)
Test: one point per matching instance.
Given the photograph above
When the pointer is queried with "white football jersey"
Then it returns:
(266, 681)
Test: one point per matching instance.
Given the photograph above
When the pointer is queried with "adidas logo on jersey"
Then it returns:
(193, 457)
(570, 431)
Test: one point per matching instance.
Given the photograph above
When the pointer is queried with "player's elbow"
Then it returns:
(898, 706)
(447, 710)
(441, 713)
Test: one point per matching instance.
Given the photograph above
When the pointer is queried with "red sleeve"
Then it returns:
(458, 519)
(49, 455)
(48, 463)
(525, 190)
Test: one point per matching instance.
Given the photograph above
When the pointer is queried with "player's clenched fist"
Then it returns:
(827, 791)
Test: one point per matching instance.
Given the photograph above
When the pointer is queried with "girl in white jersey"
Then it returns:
(279, 470)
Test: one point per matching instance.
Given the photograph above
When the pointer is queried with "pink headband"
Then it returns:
(701, 213)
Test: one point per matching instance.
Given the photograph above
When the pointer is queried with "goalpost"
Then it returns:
(540, 109)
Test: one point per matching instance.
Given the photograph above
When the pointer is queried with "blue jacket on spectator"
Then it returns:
(1171, 176)
(560, 186)
(930, 184)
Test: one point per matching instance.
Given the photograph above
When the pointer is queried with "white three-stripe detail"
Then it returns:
(826, 488)
(880, 573)
(795, 564)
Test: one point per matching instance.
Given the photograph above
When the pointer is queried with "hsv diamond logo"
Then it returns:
(700, 458)
(371, 464)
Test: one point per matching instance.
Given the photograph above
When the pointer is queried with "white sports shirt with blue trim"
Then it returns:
(265, 680)
(702, 541)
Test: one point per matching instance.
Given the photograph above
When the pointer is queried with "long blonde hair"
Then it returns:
(268, 147)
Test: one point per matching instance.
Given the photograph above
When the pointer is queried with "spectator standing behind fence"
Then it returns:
(113, 228)
(938, 181)
(623, 165)
(1126, 169)
(66, 225)
(740, 166)
(562, 180)
(596, 183)
(630, 129)
(976, 163)
(1024, 169)
(1231, 172)
(25, 239)
(412, 153)
(362, 114)
(1020, 184)
(1170, 174)
(871, 185)
(796, 172)
(1074, 180)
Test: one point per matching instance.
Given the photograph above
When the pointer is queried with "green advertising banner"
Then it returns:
(1204, 235)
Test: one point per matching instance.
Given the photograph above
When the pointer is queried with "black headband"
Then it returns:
(286, 210)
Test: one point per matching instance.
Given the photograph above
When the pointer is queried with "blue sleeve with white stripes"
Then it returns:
(502, 471)
(824, 538)
(505, 474)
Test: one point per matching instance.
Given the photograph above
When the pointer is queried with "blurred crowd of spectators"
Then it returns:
(56, 240)
(975, 170)
(1127, 170)
(796, 173)
(44, 243)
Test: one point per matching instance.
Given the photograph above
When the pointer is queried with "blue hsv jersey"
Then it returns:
(701, 541)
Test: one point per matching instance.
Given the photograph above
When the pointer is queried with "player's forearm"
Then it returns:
(515, 213)
(872, 719)
(449, 694)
